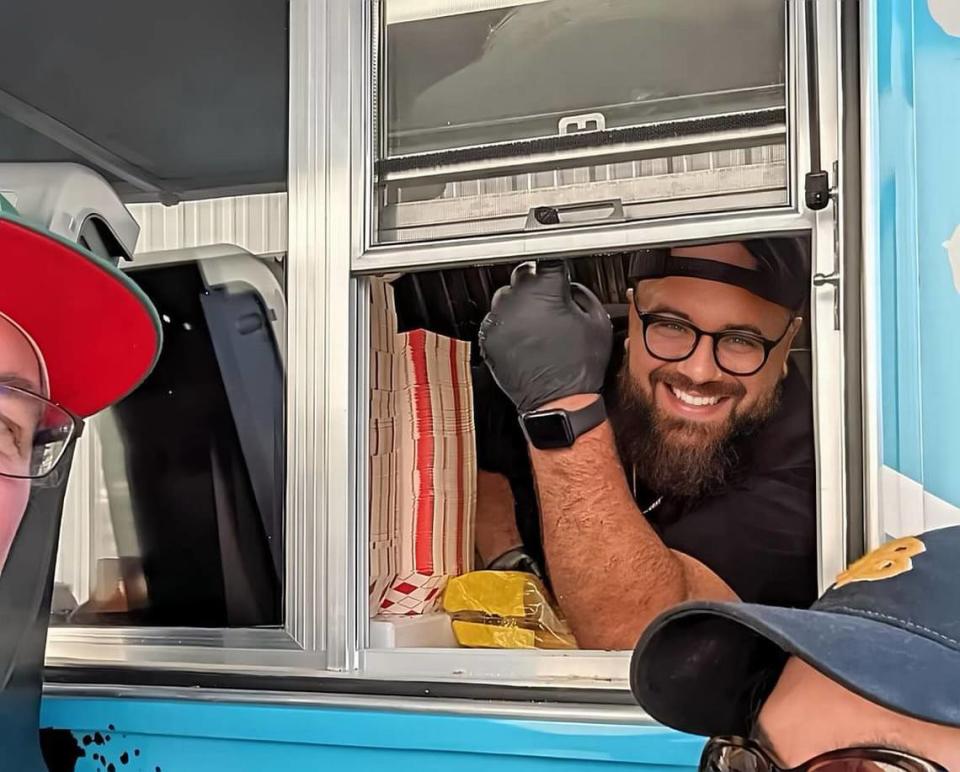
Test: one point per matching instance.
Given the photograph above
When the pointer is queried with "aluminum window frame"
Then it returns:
(870, 242)
(606, 669)
(330, 184)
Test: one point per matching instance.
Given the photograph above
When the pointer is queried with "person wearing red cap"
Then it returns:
(21, 377)
(75, 336)
(688, 475)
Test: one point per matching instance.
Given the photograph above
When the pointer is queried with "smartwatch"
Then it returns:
(558, 428)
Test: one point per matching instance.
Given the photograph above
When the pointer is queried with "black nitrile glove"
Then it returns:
(544, 337)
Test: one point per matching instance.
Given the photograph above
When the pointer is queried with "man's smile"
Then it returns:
(689, 404)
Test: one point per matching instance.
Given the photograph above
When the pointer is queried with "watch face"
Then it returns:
(548, 429)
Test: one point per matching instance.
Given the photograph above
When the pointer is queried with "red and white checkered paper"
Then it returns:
(422, 463)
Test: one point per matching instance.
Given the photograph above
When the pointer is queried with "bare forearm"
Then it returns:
(611, 572)
(496, 529)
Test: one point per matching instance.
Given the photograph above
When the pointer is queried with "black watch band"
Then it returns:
(515, 559)
(558, 428)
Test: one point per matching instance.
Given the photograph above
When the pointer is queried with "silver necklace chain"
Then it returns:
(654, 505)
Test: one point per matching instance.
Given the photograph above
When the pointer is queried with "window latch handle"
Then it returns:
(831, 280)
(821, 279)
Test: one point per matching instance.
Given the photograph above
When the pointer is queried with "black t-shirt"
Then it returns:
(759, 534)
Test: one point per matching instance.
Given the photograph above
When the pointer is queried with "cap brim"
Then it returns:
(98, 333)
(706, 668)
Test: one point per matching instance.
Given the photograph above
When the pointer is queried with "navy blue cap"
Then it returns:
(888, 630)
(782, 273)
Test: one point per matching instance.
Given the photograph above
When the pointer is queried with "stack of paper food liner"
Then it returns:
(422, 462)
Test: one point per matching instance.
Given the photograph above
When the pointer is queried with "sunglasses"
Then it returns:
(734, 754)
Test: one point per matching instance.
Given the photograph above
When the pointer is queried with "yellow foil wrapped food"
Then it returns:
(505, 610)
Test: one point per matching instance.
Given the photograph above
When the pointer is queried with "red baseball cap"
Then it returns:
(98, 334)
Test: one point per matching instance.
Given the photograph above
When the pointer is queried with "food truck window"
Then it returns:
(175, 511)
(451, 485)
(505, 116)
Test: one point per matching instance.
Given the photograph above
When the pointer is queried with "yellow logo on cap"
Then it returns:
(886, 562)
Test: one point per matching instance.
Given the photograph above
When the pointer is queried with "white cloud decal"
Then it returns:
(946, 13)
(953, 253)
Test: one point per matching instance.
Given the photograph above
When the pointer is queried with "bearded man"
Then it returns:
(699, 483)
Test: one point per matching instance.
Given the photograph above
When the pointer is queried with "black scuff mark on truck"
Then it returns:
(61, 749)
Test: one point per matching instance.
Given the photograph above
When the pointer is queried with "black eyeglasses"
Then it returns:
(736, 352)
(734, 754)
(34, 433)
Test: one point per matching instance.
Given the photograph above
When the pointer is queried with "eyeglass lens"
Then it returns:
(34, 433)
(731, 759)
(735, 759)
(857, 765)
(669, 339)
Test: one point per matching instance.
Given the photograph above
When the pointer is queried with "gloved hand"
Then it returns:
(544, 337)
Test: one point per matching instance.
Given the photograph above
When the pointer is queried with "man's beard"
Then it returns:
(675, 457)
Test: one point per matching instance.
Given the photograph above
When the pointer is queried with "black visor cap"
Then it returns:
(782, 275)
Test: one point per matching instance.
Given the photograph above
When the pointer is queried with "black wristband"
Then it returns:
(587, 418)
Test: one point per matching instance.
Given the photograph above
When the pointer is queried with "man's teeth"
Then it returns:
(690, 399)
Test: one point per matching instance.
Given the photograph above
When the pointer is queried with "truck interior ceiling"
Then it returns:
(183, 132)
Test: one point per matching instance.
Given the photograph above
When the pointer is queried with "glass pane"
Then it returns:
(560, 102)
(186, 519)
(175, 514)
